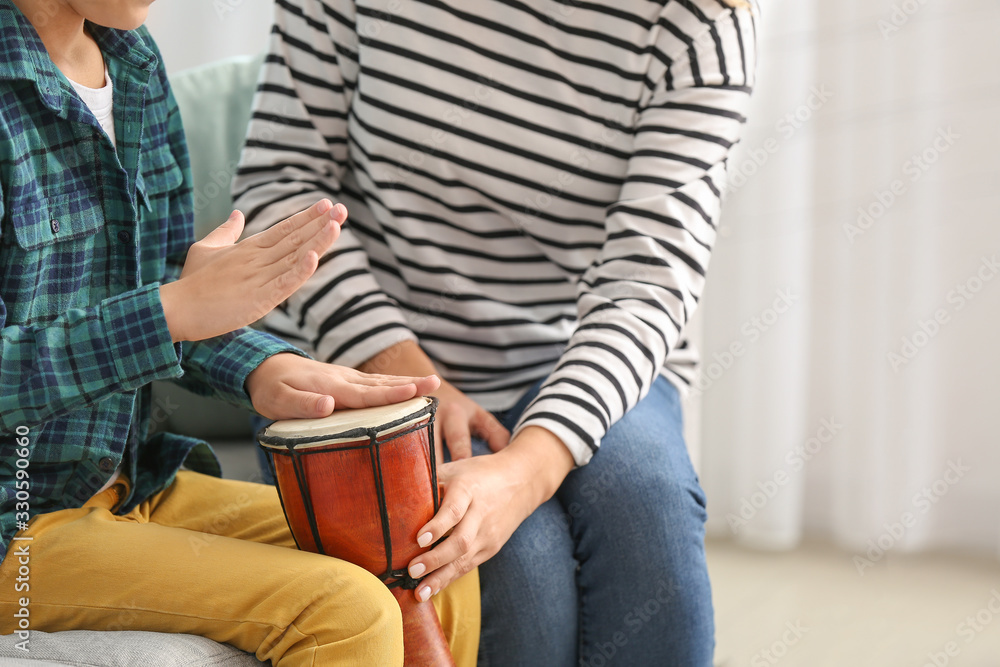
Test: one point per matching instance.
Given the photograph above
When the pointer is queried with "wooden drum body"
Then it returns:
(358, 485)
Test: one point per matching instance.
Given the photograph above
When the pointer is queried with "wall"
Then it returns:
(194, 32)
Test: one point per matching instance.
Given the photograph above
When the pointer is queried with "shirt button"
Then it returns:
(107, 464)
(124, 237)
(54, 224)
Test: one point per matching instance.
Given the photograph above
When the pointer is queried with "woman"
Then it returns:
(534, 189)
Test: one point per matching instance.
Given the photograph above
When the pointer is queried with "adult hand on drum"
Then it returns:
(485, 499)
(458, 417)
(287, 386)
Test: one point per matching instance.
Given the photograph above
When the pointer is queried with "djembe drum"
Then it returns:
(358, 485)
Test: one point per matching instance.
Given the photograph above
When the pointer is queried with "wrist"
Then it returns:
(256, 376)
(542, 459)
(171, 300)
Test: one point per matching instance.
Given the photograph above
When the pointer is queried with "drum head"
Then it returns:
(345, 425)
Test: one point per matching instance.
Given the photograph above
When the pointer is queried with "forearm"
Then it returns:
(645, 283)
(404, 358)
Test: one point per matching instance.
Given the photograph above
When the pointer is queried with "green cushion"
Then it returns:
(215, 100)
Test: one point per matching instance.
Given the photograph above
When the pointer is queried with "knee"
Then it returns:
(656, 484)
(353, 606)
(377, 610)
(677, 495)
(647, 503)
(639, 466)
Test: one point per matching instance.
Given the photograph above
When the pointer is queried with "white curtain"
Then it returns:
(851, 322)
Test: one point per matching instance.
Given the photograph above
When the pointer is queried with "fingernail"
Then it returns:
(324, 206)
(340, 210)
(425, 539)
(424, 594)
(417, 570)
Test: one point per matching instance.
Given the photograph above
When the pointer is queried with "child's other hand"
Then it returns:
(227, 284)
(287, 386)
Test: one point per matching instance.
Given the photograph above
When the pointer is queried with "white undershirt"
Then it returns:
(101, 103)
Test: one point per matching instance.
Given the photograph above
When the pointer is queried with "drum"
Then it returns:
(358, 485)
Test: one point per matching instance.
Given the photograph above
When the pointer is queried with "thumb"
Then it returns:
(227, 233)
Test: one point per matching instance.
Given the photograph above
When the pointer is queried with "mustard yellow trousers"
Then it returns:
(215, 558)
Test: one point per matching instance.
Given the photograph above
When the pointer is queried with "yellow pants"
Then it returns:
(215, 558)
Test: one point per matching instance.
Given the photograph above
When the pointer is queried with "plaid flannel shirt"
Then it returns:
(87, 235)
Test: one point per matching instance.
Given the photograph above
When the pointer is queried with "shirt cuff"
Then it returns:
(579, 443)
(225, 361)
(138, 338)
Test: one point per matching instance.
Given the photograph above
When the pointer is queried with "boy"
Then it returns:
(95, 220)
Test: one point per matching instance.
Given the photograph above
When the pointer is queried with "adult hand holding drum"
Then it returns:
(357, 485)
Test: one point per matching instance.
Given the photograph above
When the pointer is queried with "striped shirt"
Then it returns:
(533, 187)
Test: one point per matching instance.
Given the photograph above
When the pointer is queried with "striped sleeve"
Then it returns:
(636, 297)
(296, 154)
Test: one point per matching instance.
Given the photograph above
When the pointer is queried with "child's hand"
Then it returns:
(227, 284)
(287, 386)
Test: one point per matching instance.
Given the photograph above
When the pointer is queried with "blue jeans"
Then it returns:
(611, 570)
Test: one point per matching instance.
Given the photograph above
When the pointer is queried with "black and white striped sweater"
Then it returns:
(533, 186)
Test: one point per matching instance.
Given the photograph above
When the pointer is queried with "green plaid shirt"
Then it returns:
(87, 235)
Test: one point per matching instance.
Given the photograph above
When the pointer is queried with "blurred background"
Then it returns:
(846, 421)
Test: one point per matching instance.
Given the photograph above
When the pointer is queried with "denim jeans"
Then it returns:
(611, 570)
